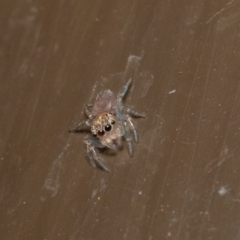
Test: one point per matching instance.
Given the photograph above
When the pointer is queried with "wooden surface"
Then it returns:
(183, 182)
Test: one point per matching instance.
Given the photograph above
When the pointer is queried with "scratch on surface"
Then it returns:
(184, 205)
(42, 77)
(147, 82)
(214, 181)
(13, 209)
(19, 231)
(219, 12)
(209, 166)
(225, 22)
(128, 22)
(224, 156)
(188, 143)
(150, 138)
(36, 102)
(52, 182)
(90, 206)
(225, 152)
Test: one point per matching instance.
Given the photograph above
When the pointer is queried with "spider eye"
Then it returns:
(94, 134)
(101, 133)
(108, 128)
(113, 122)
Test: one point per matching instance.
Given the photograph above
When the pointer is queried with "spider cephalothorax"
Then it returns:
(110, 122)
(102, 123)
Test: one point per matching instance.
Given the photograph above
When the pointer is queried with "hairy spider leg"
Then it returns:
(80, 125)
(124, 90)
(128, 138)
(125, 129)
(122, 120)
(135, 113)
(90, 159)
(133, 129)
(92, 155)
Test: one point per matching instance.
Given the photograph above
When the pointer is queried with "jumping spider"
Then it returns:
(110, 122)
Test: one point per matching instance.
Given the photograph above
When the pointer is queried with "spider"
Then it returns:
(110, 122)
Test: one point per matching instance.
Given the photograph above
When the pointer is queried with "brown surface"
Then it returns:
(183, 182)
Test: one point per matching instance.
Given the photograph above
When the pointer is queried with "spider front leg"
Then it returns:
(92, 153)
(80, 125)
(124, 90)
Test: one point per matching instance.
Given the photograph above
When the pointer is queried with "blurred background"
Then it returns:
(183, 182)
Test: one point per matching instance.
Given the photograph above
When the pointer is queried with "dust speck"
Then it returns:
(223, 190)
(173, 91)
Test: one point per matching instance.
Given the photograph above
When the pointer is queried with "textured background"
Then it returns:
(183, 182)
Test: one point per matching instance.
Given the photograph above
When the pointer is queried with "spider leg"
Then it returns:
(92, 153)
(128, 138)
(80, 125)
(135, 113)
(90, 159)
(126, 130)
(125, 88)
(132, 128)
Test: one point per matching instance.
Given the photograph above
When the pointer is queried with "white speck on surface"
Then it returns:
(173, 91)
(223, 190)
(140, 192)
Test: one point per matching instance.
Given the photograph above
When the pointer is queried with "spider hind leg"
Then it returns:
(132, 128)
